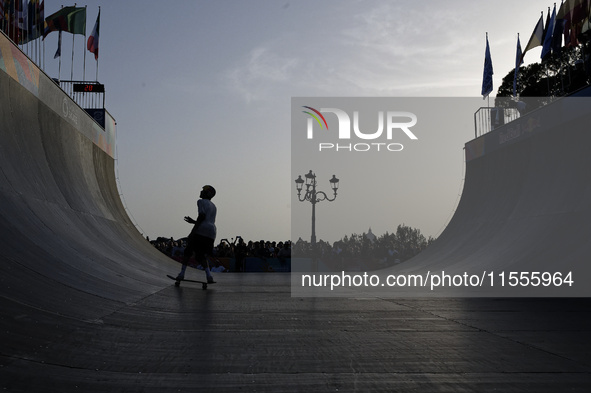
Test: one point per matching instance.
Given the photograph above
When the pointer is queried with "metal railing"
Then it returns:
(489, 118)
(92, 96)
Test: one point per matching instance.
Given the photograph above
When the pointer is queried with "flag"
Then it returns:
(36, 18)
(487, 77)
(559, 28)
(564, 14)
(547, 48)
(546, 25)
(574, 13)
(12, 9)
(23, 14)
(34, 21)
(518, 62)
(585, 23)
(58, 52)
(70, 19)
(6, 17)
(93, 41)
(536, 37)
(3, 13)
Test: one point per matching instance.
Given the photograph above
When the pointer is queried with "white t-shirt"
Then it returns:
(207, 227)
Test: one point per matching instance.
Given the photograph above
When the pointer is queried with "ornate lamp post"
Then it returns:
(314, 196)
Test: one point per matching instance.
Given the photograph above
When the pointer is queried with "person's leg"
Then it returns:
(186, 256)
(204, 248)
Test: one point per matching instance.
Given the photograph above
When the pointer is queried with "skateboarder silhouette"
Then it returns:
(202, 236)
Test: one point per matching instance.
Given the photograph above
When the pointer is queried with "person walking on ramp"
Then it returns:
(202, 236)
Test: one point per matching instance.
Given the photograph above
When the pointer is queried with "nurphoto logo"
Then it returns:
(396, 124)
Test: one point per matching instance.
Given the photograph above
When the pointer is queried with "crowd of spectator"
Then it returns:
(365, 250)
(237, 249)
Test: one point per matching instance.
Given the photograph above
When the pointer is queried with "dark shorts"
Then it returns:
(200, 245)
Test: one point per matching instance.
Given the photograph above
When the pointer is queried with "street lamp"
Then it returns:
(314, 196)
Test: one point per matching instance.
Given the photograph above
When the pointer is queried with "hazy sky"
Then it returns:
(201, 92)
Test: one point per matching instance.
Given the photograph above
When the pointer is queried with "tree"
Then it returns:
(410, 242)
(558, 75)
(402, 245)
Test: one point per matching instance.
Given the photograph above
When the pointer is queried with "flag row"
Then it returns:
(562, 28)
(24, 21)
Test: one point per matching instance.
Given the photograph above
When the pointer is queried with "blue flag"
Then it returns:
(487, 77)
(546, 49)
(518, 62)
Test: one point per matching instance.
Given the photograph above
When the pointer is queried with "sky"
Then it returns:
(201, 92)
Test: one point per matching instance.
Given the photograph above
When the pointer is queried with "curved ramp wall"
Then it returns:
(68, 246)
(526, 204)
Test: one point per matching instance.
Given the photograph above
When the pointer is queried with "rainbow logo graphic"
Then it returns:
(316, 112)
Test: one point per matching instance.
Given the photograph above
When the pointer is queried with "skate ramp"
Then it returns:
(525, 206)
(85, 304)
(68, 246)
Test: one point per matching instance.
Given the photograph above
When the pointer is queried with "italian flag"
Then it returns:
(93, 40)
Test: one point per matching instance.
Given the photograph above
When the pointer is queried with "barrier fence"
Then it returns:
(487, 119)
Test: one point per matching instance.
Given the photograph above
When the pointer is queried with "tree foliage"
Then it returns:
(387, 249)
(558, 75)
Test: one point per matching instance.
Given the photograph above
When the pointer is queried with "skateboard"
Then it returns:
(178, 282)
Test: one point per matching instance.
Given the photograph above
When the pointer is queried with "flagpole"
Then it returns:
(36, 46)
(84, 43)
(25, 25)
(34, 55)
(14, 22)
(97, 61)
(518, 61)
(488, 95)
(59, 70)
(27, 32)
(12, 27)
(39, 30)
(36, 43)
(72, 66)
(517, 68)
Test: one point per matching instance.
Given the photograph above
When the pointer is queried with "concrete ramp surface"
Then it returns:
(64, 230)
(85, 305)
(525, 207)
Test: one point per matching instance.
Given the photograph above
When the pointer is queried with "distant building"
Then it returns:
(369, 235)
